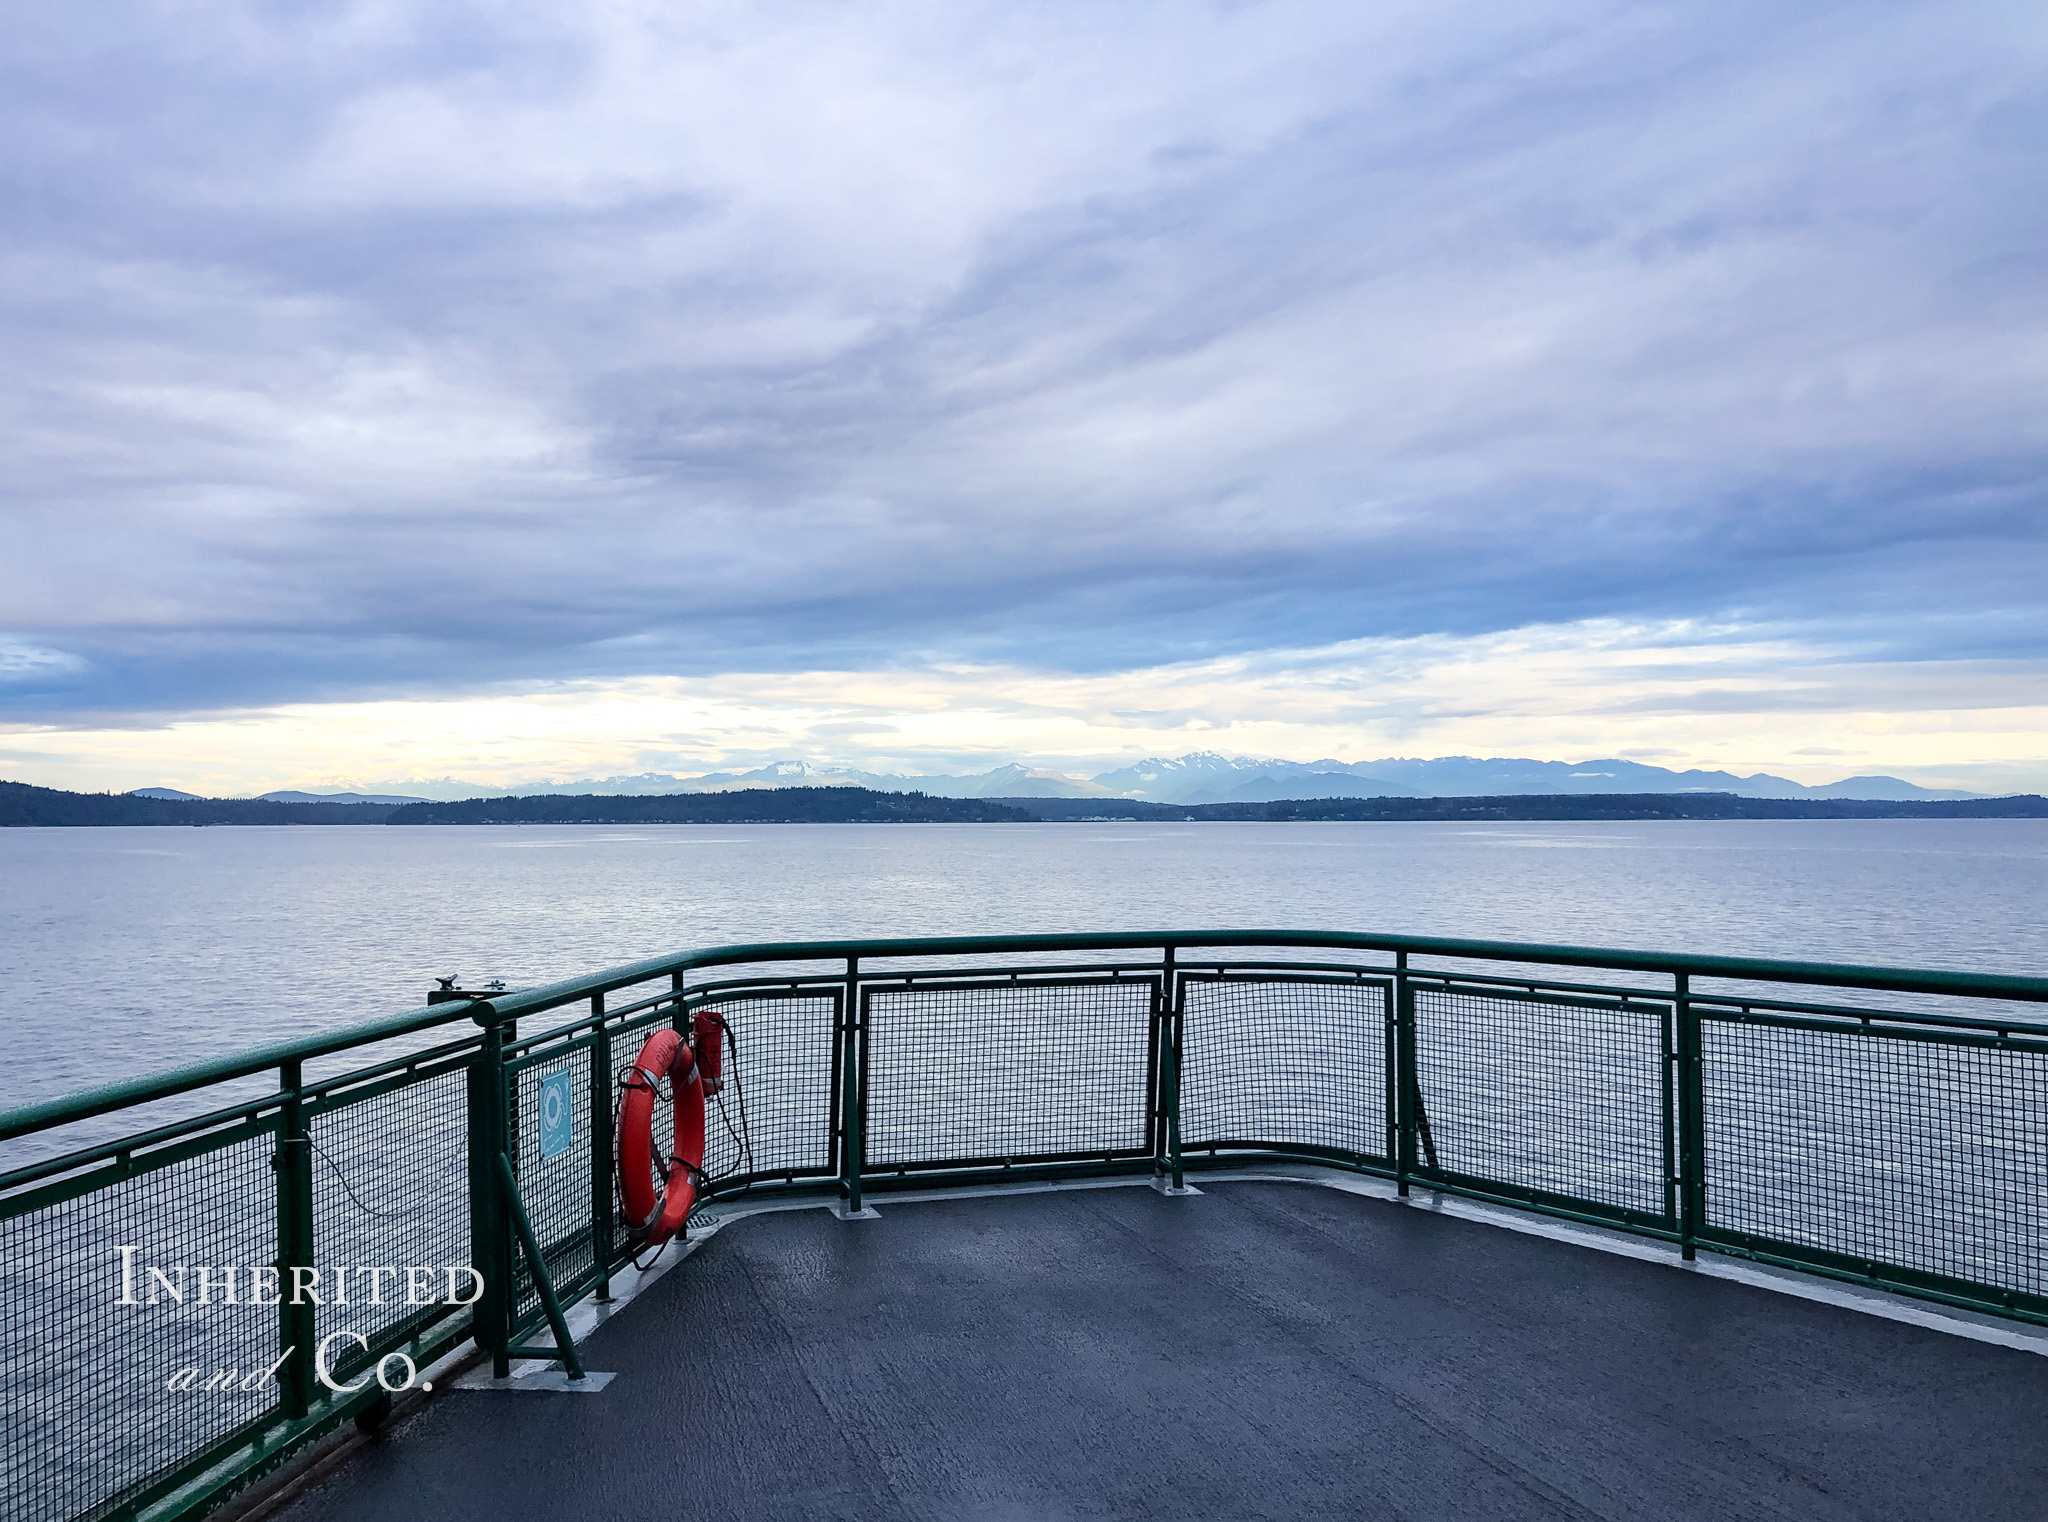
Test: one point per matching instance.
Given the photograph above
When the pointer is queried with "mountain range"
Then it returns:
(1197, 778)
(287, 795)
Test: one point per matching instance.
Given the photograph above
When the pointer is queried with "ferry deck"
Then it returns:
(1266, 1348)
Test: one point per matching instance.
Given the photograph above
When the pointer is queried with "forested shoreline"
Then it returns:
(23, 805)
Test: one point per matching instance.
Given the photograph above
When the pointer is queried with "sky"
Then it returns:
(399, 390)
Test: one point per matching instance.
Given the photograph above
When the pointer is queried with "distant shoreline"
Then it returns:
(22, 805)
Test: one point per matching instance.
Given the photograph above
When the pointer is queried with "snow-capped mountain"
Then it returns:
(1206, 777)
(1209, 777)
(1012, 781)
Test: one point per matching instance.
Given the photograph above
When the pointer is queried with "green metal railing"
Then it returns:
(1714, 1104)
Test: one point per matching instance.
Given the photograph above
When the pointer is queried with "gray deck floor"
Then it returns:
(1264, 1350)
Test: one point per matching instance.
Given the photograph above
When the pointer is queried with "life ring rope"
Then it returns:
(657, 1213)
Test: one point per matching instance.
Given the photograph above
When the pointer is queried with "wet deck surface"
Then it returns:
(1265, 1350)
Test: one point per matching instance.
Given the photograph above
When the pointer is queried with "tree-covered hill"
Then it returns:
(22, 804)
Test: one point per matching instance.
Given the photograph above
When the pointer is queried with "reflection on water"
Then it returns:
(122, 949)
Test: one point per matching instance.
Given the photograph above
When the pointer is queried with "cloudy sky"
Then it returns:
(402, 390)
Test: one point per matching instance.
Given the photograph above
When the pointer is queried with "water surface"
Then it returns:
(123, 948)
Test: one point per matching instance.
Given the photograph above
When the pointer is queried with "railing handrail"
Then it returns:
(498, 1008)
(84, 1104)
(2033, 990)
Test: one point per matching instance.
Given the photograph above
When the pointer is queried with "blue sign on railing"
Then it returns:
(557, 1116)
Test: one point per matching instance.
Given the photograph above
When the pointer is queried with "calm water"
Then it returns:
(126, 948)
(121, 950)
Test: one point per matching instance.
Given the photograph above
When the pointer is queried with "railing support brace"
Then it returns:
(565, 1349)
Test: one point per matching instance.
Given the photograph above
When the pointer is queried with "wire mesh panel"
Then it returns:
(550, 1120)
(1885, 1149)
(390, 1190)
(1286, 1062)
(1006, 1071)
(101, 1396)
(774, 1118)
(1558, 1096)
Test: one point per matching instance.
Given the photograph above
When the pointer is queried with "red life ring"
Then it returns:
(657, 1214)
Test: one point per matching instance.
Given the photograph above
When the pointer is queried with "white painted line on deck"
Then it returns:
(538, 1375)
(1974, 1325)
(1955, 1320)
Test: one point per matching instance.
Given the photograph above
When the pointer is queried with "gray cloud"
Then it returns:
(389, 350)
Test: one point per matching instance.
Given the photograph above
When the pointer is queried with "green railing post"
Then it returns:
(1407, 1086)
(1173, 995)
(1173, 1030)
(1164, 1076)
(295, 1326)
(490, 1248)
(601, 1162)
(852, 1142)
(1692, 1104)
(1390, 1065)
